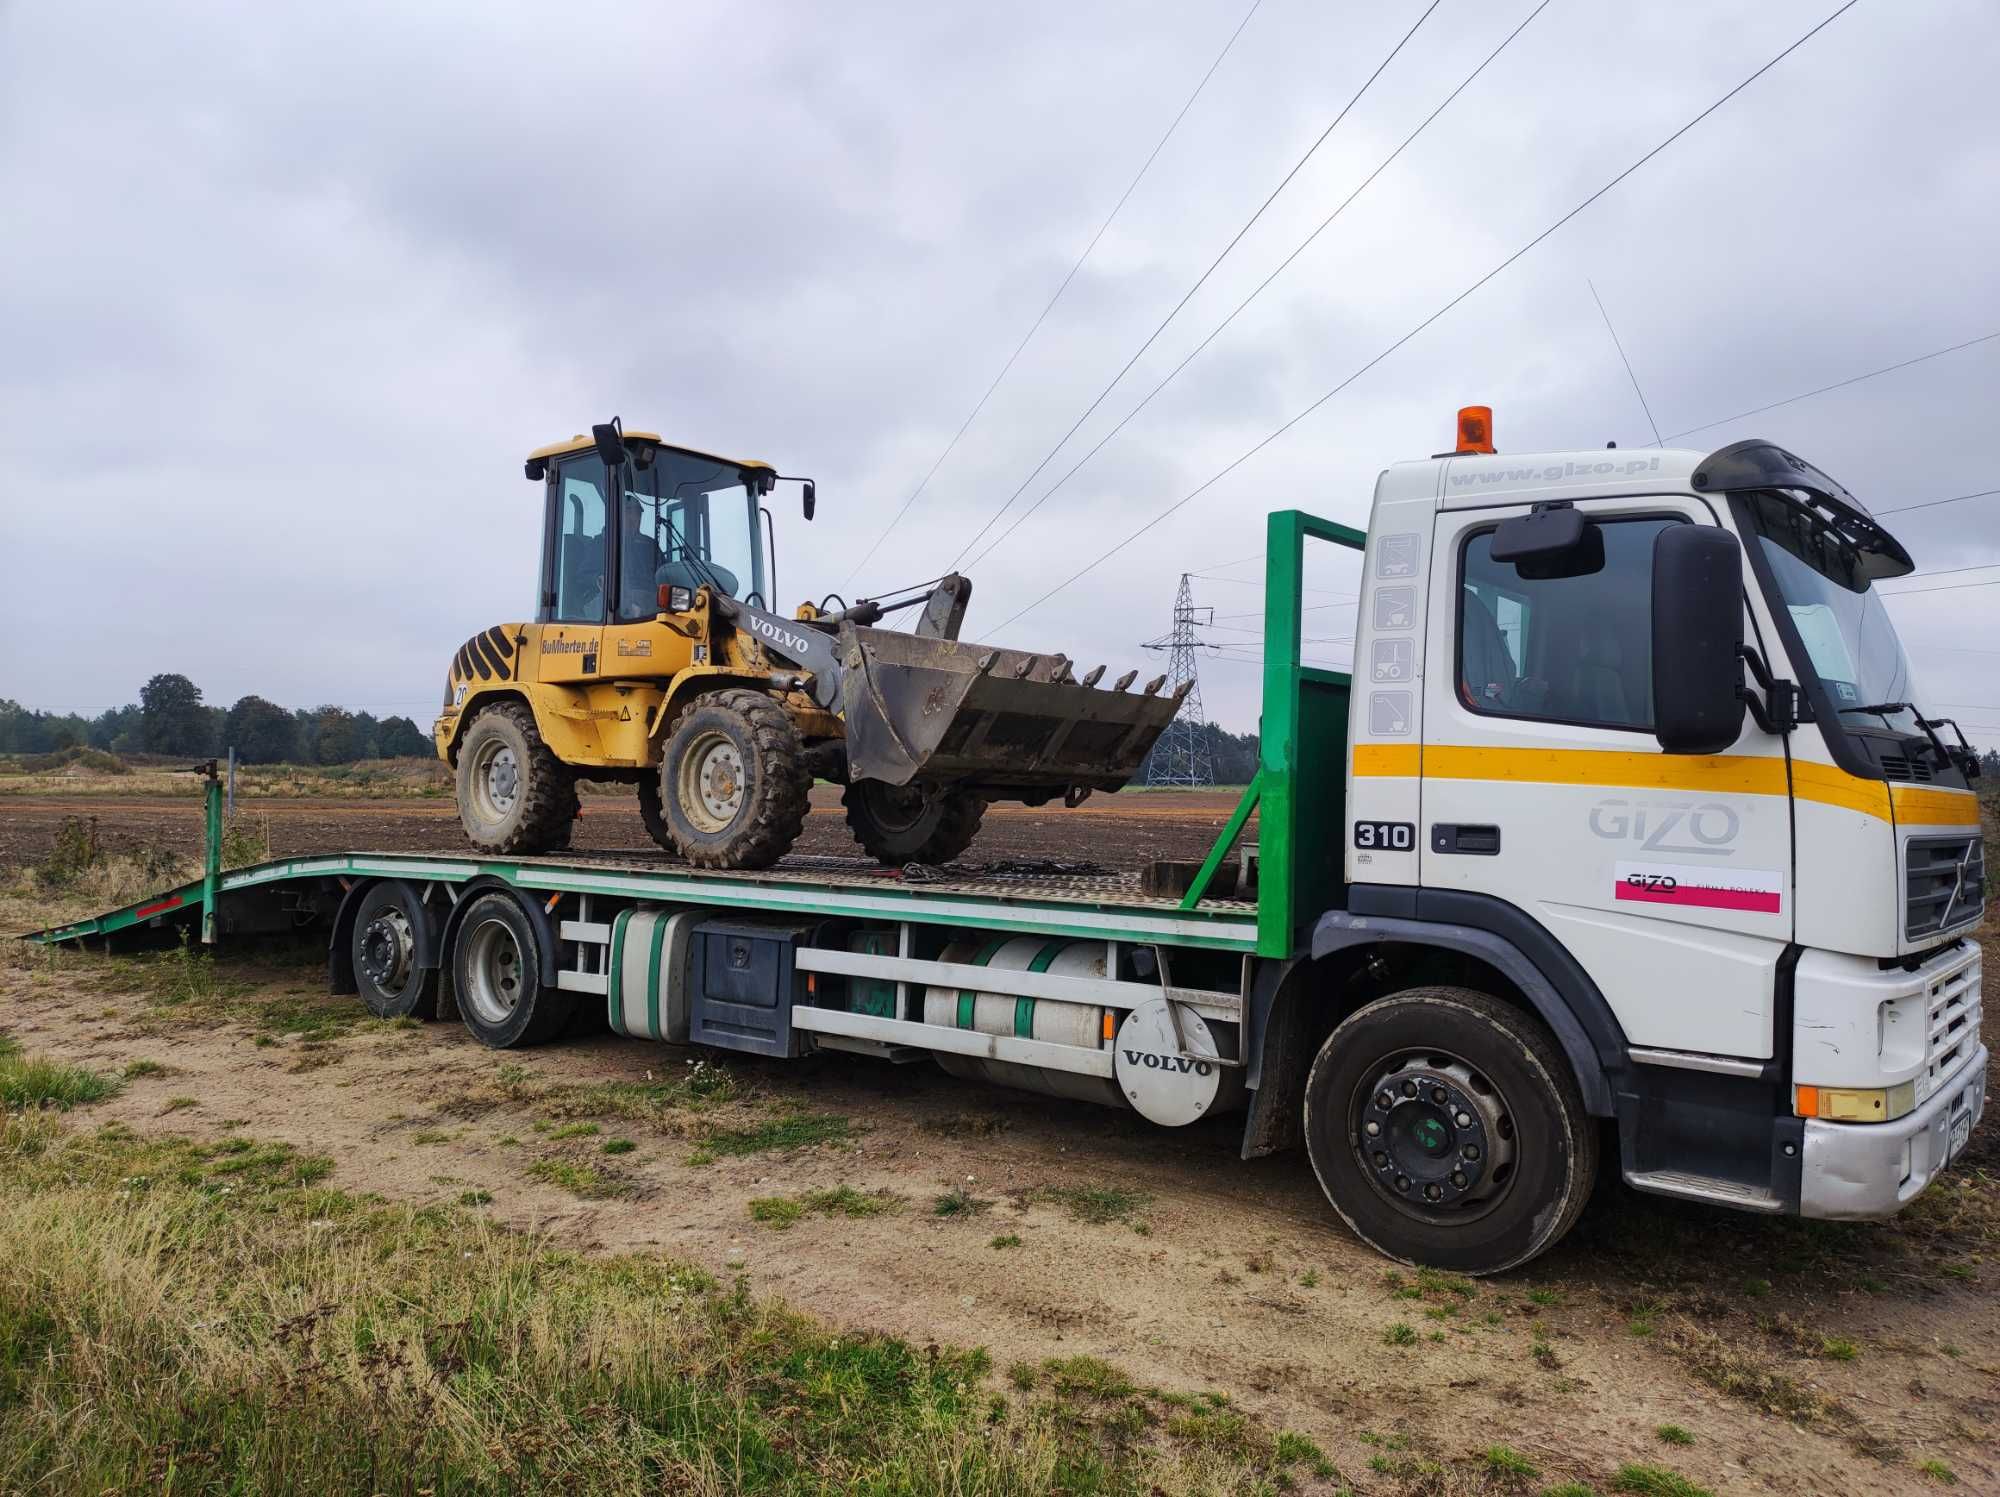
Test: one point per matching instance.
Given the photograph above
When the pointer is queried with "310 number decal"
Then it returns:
(1385, 836)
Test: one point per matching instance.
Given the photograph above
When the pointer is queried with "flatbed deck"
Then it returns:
(1009, 896)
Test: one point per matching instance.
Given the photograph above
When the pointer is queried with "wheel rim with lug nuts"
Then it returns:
(388, 948)
(711, 782)
(496, 780)
(1434, 1137)
(493, 967)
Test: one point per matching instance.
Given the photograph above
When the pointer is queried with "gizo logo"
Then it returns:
(1708, 830)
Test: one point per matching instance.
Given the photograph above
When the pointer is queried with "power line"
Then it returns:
(1902, 509)
(1282, 267)
(1625, 360)
(1440, 312)
(1949, 587)
(1027, 337)
(1978, 566)
(1200, 281)
(1838, 384)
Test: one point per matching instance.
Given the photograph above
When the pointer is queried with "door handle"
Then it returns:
(1464, 837)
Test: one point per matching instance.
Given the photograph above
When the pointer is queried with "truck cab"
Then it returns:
(1635, 726)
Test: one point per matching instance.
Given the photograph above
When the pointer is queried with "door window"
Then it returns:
(578, 553)
(1575, 647)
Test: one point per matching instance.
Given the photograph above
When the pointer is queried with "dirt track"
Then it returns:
(1117, 830)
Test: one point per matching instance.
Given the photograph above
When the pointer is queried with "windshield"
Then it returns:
(1850, 642)
(687, 521)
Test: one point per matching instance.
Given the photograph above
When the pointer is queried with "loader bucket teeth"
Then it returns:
(1124, 681)
(1153, 686)
(1092, 676)
(948, 712)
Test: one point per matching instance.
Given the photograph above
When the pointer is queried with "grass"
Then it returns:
(575, 1130)
(137, 1068)
(781, 1212)
(585, 1181)
(958, 1201)
(1838, 1349)
(1938, 1472)
(1006, 1240)
(1094, 1204)
(28, 1081)
(1507, 1464)
(475, 1198)
(618, 1146)
(296, 1338)
(1673, 1434)
(1655, 1481)
(796, 1130)
(1399, 1334)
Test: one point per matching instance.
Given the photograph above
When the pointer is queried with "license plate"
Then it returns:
(1961, 1130)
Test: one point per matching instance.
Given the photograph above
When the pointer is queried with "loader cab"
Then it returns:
(615, 532)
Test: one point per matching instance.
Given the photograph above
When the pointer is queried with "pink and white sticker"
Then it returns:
(1760, 891)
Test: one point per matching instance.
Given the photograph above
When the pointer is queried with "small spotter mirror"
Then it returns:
(812, 497)
(1546, 533)
(610, 440)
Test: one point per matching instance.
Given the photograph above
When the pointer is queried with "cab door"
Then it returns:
(576, 570)
(1667, 877)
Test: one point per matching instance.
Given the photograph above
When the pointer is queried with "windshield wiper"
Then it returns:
(1882, 709)
(1929, 726)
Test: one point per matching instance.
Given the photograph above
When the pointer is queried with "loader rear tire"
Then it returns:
(734, 781)
(514, 794)
(898, 824)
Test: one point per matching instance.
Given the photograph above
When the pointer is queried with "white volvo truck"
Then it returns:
(1628, 844)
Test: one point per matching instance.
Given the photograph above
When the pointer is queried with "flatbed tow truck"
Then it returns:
(1627, 843)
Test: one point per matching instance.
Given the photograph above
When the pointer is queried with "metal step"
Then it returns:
(1690, 1187)
(901, 1055)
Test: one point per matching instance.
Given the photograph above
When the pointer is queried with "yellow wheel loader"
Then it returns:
(655, 658)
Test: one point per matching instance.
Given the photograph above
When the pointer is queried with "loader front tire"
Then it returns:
(514, 794)
(733, 782)
(898, 824)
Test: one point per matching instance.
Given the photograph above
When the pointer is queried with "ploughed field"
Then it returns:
(1120, 831)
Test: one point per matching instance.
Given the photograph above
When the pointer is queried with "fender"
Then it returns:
(340, 946)
(1509, 940)
(536, 911)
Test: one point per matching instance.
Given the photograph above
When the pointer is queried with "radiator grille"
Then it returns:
(1946, 884)
(1952, 1031)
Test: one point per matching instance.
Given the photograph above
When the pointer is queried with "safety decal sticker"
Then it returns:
(1758, 890)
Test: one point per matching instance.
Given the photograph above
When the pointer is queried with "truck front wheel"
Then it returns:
(1446, 1129)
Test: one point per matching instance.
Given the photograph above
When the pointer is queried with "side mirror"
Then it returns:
(1698, 698)
(812, 496)
(610, 440)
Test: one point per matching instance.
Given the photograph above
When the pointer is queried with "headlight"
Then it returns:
(1851, 1104)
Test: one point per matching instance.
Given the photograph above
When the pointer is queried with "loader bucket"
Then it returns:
(943, 711)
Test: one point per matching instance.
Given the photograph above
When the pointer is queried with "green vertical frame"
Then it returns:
(1302, 742)
(211, 854)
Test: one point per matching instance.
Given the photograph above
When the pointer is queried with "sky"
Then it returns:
(287, 293)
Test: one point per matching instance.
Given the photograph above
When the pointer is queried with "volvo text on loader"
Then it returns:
(655, 658)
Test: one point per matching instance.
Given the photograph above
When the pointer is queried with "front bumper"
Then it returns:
(1859, 1170)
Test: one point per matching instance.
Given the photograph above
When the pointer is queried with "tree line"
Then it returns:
(1233, 754)
(170, 717)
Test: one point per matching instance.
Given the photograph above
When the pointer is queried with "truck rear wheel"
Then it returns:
(653, 812)
(733, 782)
(898, 824)
(496, 975)
(514, 794)
(1446, 1129)
(390, 936)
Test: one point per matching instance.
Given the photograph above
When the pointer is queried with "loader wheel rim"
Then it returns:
(496, 780)
(1434, 1136)
(711, 782)
(493, 970)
